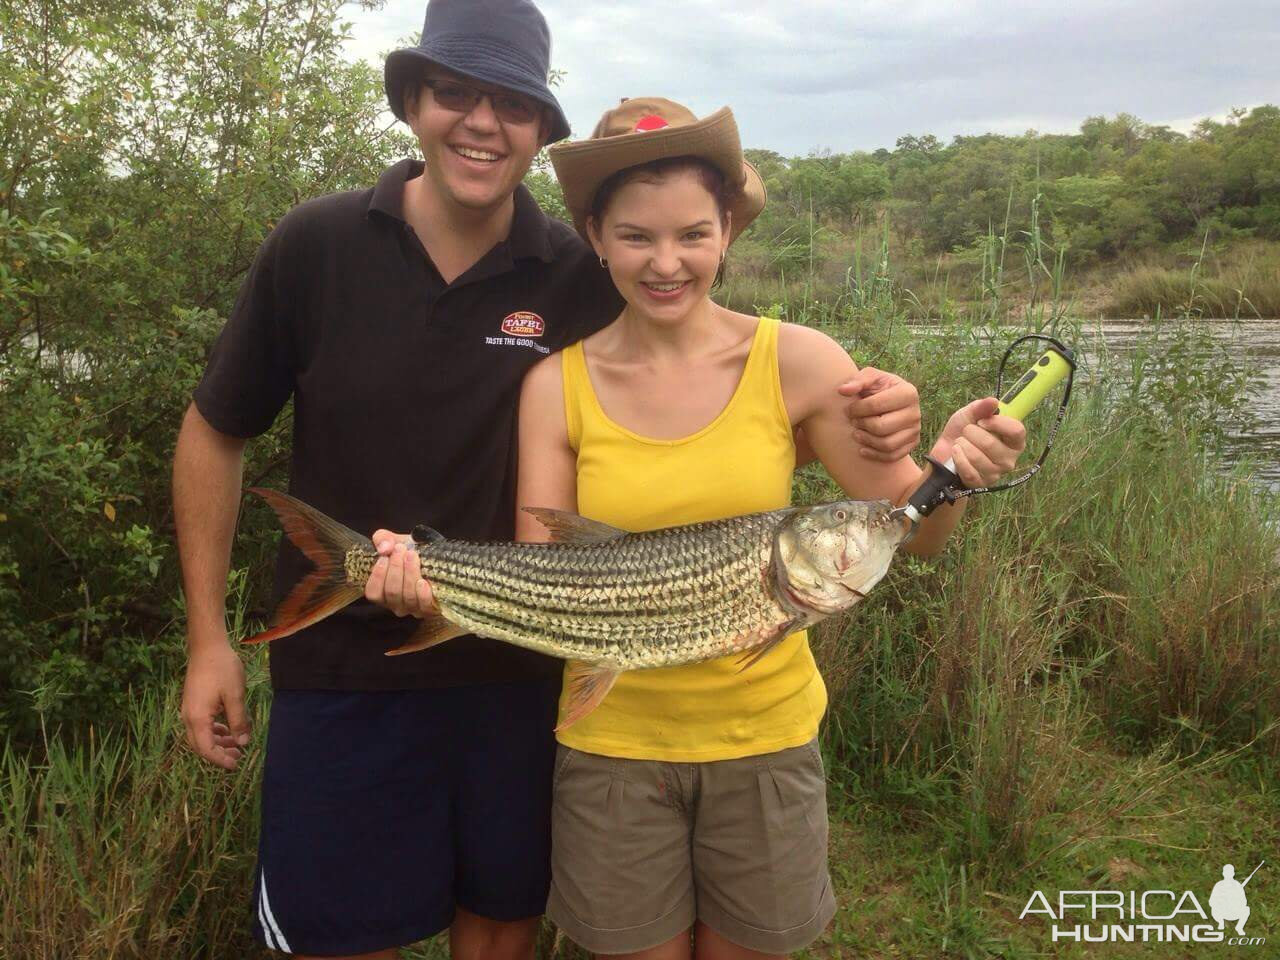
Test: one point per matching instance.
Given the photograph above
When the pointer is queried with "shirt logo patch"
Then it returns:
(522, 323)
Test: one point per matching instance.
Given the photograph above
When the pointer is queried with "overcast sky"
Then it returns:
(848, 75)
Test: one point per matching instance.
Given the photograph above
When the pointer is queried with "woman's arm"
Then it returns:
(547, 478)
(811, 365)
(547, 475)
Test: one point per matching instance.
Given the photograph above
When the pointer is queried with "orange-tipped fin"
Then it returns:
(324, 542)
(313, 599)
(435, 629)
(588, 685)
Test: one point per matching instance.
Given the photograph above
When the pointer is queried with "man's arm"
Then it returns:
(884, 413)
(207, 472)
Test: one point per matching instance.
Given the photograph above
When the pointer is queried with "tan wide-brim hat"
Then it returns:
(643, 129)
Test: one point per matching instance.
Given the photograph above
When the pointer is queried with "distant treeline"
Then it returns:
(1119, 185)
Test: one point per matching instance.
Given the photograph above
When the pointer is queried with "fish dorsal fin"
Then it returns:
(424, 534)
(568, 527)
(433, 630)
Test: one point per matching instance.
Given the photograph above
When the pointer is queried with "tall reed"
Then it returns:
(1103, 601)
(124, 844)
(1153, 291)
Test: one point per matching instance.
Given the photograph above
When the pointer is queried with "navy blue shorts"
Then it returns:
(382, 811)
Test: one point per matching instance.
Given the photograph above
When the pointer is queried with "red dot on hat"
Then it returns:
(650, 121)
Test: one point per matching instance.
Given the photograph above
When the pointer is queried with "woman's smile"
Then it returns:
(665, 292)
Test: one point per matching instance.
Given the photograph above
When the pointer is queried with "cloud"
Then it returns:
(856, 74)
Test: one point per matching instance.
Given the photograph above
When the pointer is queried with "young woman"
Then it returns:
(693, 797)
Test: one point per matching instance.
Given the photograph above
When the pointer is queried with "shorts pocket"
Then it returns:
(565, 757)
(801, 784)
(815, 756)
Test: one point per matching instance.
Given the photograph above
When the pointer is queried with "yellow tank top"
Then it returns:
(741, 462)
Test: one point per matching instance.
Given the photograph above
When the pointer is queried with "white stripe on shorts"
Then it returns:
(268, 920)
(262, 922)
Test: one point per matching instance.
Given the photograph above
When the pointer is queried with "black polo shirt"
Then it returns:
(405, 393)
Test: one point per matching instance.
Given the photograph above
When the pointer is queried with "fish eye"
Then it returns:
(842, 515)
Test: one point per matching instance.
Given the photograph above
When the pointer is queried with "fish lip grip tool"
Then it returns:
(943, 485)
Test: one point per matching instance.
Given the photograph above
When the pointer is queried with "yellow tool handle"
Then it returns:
(1019, 400)
(1045, 374)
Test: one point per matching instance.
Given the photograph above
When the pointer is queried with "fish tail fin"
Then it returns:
(326, 543)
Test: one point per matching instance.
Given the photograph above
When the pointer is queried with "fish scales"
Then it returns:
(665, 597)
(591, 589)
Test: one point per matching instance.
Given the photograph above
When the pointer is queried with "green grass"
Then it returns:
(1140, 823)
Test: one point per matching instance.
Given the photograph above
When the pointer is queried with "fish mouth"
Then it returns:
(906, 527)
(806, 605)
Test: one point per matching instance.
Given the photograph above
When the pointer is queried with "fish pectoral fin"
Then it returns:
(569, 527)
(589, 684)
(753, 655)
(433, 630)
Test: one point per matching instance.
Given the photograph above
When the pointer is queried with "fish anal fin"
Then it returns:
(435, 629)
(588, 684)
(754, 655)
(566, 527)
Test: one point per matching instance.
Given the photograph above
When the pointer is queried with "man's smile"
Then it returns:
(476, 154)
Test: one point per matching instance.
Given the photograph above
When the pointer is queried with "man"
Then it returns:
(405, 795)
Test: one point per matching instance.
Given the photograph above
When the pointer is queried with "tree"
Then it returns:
(859, 185)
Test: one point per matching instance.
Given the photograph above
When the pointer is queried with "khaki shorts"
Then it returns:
(642, 848)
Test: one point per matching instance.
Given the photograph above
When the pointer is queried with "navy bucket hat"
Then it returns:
(505, 43)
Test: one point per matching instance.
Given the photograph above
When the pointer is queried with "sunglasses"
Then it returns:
(460, 98)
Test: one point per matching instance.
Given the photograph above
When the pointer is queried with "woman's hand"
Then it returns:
(396, 581)
(984, 445)
(884, 410)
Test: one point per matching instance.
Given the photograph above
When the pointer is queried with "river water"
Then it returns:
(1246, 344)
(1254, 344)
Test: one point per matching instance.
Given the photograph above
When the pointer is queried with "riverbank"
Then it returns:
(1227, 279)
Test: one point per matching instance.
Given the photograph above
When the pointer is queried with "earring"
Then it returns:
(722, 258)
(604, 263)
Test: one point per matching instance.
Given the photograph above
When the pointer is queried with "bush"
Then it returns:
(150, 153)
